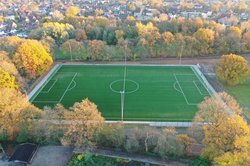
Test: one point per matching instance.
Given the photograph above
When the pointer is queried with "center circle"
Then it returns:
(130, 86)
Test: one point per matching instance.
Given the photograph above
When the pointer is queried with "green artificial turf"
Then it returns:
(153, 93)
(242, 94)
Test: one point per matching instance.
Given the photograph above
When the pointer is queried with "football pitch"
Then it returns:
(151, 93)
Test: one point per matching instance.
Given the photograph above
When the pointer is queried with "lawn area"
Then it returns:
(88, 159)
(152, 93)
(242, 94)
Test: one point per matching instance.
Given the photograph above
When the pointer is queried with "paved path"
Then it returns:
(52, 156)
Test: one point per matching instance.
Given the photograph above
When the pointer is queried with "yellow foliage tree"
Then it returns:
(6, 80)
(84, 122)
(232, 68)
(205, 39)
(168, 37)
(225, 132)
(14, 111)
(206, 35)
(235, 32)
(72, 11)
(230, 135)
(32, 58)
(148, 34)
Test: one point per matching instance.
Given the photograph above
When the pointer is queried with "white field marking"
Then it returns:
(154, 118)
(184, 74)
(183, 92)
(47, 91)
(129, 92)
(159, 124)
(197, 87)
(44, 101)
(203, 94)
(67, 88)
(201, 80)
(65, 72)
(122, 64)
(33, 94)
(72, 86)
(175, 87)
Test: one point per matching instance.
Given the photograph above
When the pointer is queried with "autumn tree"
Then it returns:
(156, 3)
(131, 7)
(246, 39)
(99, 12)
(229, 137)
(72, 47)
(7, 65)
(32, 58)
(7, 80)
(96, 48)
(205, 39)
(57, 16)
(15, 110)
(84, 123)
(10, 44)
(49, 127)
(168, 145)
(232, 39)
(168, 37)
(148, 34)
(112, 135)
(232, 68)
(1, 19)
(72, 11)
(147, 138)
(58, 31)
(226, 133)
(81, 35)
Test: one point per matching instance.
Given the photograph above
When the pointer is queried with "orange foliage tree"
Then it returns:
(15, 110)
(95, 48)
(32, 58)
(84, 122)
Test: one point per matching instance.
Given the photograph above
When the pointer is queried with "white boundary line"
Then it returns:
(174, 124)
(158, 124)
(43, 82)
(47, 91)
(66, 90)
(136, 65)
(44, 101)
(203, 80)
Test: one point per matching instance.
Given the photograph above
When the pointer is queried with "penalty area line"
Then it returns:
(183, 92)
(66, 90)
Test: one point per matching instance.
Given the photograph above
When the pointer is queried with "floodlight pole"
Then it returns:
(124, 84)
